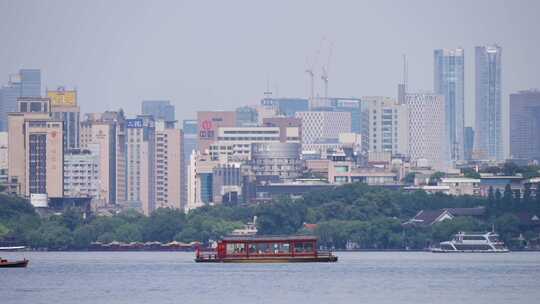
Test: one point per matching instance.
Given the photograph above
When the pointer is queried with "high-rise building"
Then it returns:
(321, 125)
(35, 150)
(189, 145)
(141, 160)
(449, 74)
(64, 107)
(427, 129)
(27, 83)
(488, 137)
(276, 160)
(81, 173)
(107, 131)
(525, 125)
(388, 126)
(169, 166)
(234, 143)
(208, 123)
(200, 180)
(159, 109)
(468, 143)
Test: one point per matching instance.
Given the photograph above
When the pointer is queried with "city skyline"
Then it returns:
(107, 75)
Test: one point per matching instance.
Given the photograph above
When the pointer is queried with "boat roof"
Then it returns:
(248, 238)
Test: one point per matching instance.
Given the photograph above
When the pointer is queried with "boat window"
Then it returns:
(474, 238)
(303, 247)
(235, 248)
(493, 239)
(260, 248)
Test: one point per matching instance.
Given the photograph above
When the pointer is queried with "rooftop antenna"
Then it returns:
(405, 72)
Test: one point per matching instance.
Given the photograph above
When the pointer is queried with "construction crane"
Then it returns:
(310, 70)
(324, 75)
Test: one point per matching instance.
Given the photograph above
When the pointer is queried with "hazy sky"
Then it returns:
(220, 54)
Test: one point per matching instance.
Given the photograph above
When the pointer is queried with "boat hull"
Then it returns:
(326, 259)
(469, 251)
(14, 264)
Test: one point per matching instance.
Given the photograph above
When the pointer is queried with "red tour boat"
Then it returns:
(265, 249)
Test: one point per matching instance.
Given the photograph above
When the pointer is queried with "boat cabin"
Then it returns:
(265, 248)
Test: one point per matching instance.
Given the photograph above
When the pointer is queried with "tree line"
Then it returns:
(357, 215)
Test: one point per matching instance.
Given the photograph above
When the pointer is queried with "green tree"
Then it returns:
(281, 217)
(470, 173)
(507, 225)
(51, 235)
(507, 198)
(436, 177)
(71, 218)
(444, 230)
(510, 168)
(128, 233)
(409, 178)
(163, 224)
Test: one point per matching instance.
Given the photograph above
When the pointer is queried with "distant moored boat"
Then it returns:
(478, 242)
(13, 264)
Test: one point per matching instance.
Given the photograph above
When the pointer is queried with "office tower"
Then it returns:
(169, 166)
(159, 109)
(320, 125)
(226, 184)
(286, 106)
(81, 173)
(200, 180)
(402, 87)
(427, 129)
(234, 143)
(276, 161)
(189, 145)
(107, 131)
(246, 117)
(388, 126)
(141, 148)
(449, 82)
(30, 82)
(35, 150)
(488, 137)
(525, 125)
(27, 83)
(468, 143)
(208, 123)
(64, 107)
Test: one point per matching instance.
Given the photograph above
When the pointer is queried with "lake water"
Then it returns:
(360, 277)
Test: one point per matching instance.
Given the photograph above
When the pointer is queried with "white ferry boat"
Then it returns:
(479, 242)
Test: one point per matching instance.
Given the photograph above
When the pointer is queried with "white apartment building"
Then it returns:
(388, 125)
(169, 166)
(81, 173)
(427, 129)
(323, 125)
(141, 141)
(234, 143)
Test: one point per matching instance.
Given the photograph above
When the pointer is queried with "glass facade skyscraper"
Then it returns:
(159, 109)
(448, 81)
(27, 83)
(488, 130)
